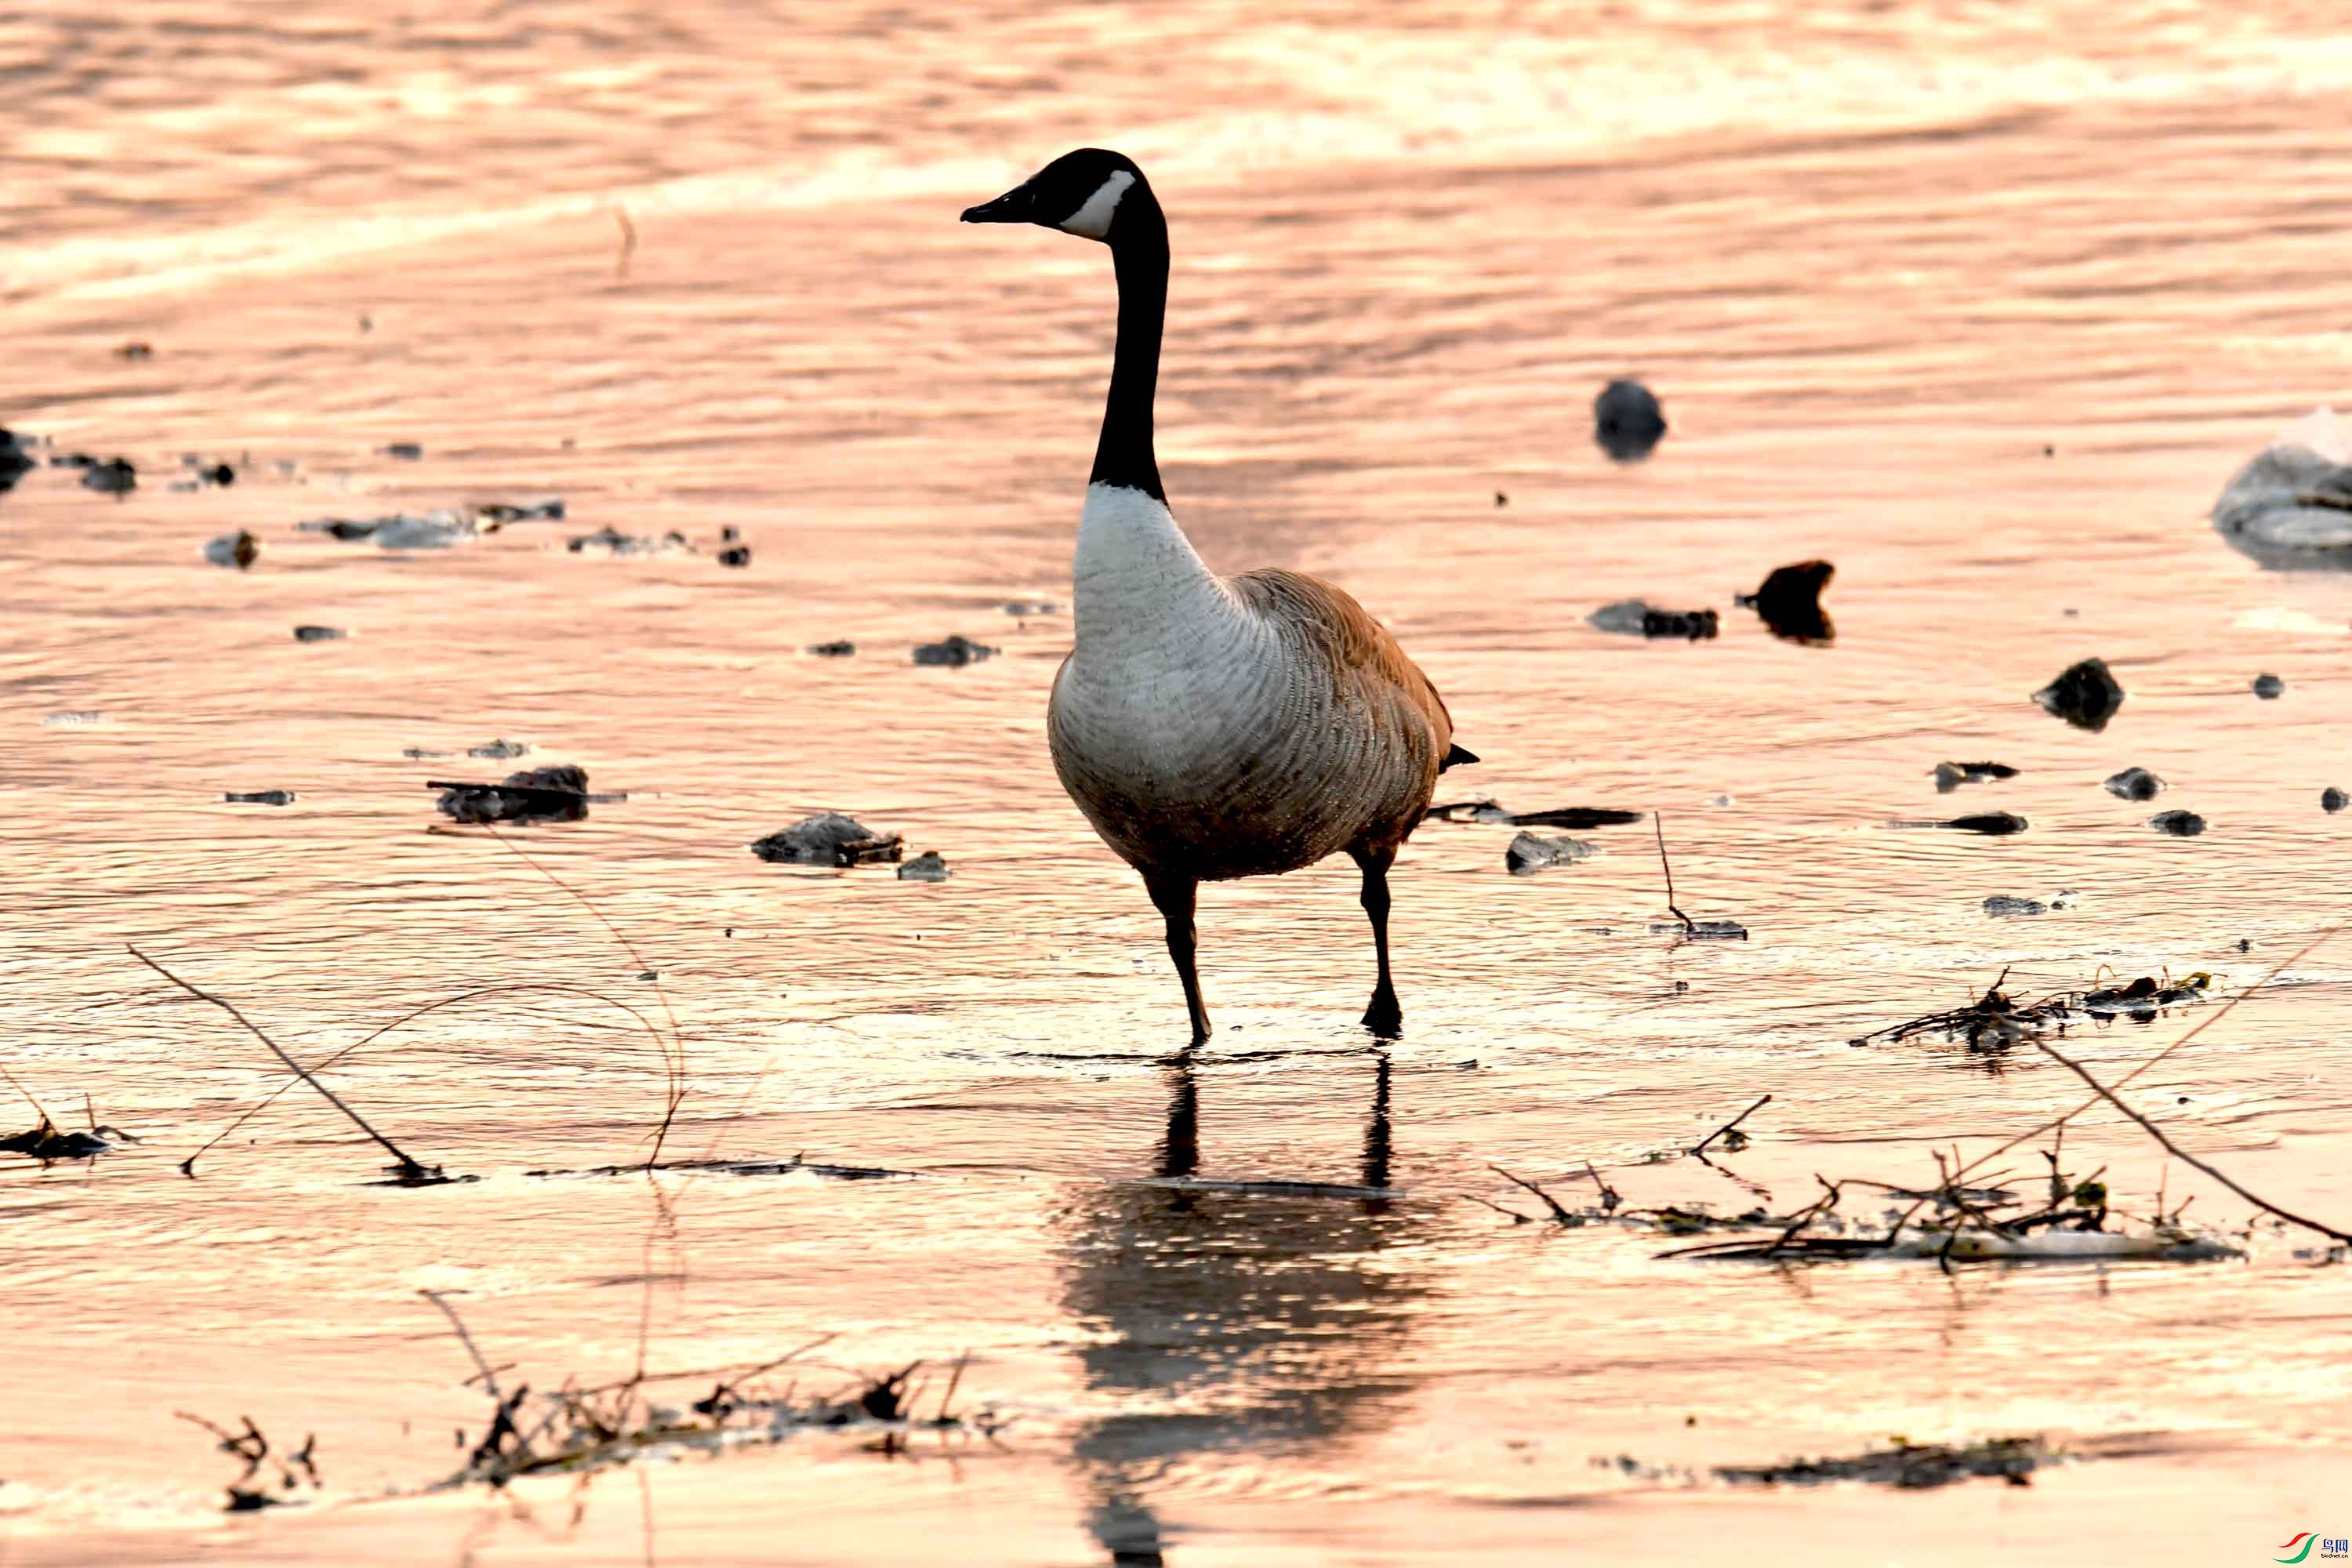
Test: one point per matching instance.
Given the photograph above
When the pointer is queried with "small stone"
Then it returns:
(320, 633)
(735, 554)
(500, 750)
(135, 350)
(828, 838)
(2269, 687)
(2085, 695)
(1790, 601)
(842, 649)
(405, 451)
(2333, 800)
(1627, 421)
(925, 868)
(2179, 823)
(1026, 607)
(2134, 784)
(1950, 776)
(260, 798)
(114, 476)
(239, 549)
(2002, 907)
(220, 474)
(1529, 853)
(558, 793)
(957, 650)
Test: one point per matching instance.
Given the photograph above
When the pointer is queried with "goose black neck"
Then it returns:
(1139, 248)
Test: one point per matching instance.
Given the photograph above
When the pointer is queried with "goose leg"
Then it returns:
(1383, 1017)
(1174, 897)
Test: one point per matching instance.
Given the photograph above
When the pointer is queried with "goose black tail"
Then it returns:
(1456, 754)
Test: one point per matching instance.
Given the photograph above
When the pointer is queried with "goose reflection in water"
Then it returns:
(1262, 1318)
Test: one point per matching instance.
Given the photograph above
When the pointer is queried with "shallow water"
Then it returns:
(1985, 311)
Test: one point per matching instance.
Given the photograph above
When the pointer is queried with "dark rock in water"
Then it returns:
(1627, 421)
(1790, 601)
(2333, 800)
(730, 534)
(828, 838)
(405, 451)
(555, 793)
(2289, 509)
(420, 753)
(320, 633)
(219, 474)
(2134, 784)
(1025, 607)
(114, 476)
(2002, 907)
(1529, 854)
(1950, 776)
(239, 549)
(2269, 687)
(550, 511)
(735, 555)
(1701, 930)
(1992, 823)
(260, 798)
(2179, 823)
(135, 350)
(15, 458)
(2085, 696)
(1632, 618)
(840, 649)
(612, 541)
(500, 750)
(958, 650)
(1574, 817)
(925, 868)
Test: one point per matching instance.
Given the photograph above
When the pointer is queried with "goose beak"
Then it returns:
(1012, 207)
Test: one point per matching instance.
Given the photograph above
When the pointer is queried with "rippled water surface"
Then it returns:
(1982, 304)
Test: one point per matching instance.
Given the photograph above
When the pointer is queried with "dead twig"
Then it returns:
(2153, 1131)
(408, 1169)
(1658, 821)
(628, 243)
(1730, 1126)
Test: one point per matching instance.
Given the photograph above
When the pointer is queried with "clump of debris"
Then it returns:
(1636, 617)
(927, 867)
(558, 793)
(828, 838)
(2177, 824)
(1576, 818)
(1907, 1466)
(439, 528)
(610, 541)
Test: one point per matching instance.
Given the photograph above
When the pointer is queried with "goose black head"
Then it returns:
(1079, 193)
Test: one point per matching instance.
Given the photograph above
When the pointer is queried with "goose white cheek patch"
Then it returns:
(1092, 220)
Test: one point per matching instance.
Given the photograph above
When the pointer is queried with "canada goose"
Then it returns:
(1214, 727)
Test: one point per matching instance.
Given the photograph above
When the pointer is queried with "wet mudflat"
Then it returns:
(1957, 332)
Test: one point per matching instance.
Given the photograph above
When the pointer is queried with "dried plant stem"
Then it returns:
(1658, 822)
(1735, 1121)
(2153, 1131)
(408, 1167)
